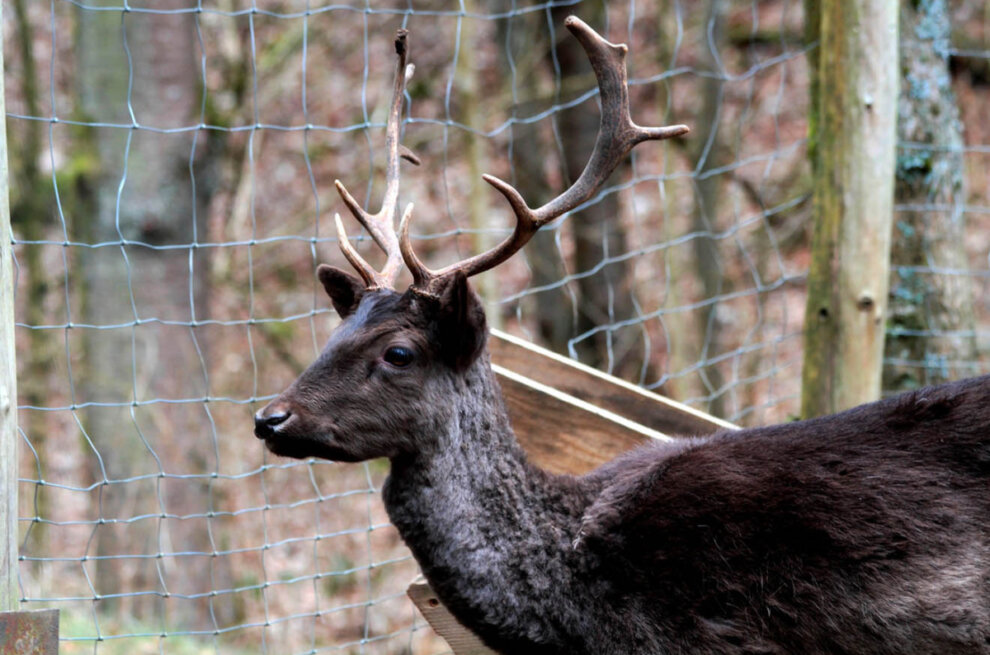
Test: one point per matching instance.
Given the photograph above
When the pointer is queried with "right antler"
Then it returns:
(618, 135)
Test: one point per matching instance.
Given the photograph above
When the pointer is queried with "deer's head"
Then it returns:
(383, 384)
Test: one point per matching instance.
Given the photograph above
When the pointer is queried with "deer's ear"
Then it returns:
(345, 290)
(462, 325)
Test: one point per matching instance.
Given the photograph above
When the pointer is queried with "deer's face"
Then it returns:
(384, 384)
(381, 387)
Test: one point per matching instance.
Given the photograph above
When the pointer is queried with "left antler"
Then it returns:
(618, 135)
(381, 226)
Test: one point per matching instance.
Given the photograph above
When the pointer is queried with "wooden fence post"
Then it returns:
(854, 120)
(8, 383)
(32, 632)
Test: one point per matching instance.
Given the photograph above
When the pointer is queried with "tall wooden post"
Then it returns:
(853, 146)
(8, 383)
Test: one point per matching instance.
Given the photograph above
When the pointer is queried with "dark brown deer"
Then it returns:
(863, 532)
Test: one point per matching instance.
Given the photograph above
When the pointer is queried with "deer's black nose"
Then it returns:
(264, 424)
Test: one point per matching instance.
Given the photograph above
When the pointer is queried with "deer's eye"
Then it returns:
(399, 356)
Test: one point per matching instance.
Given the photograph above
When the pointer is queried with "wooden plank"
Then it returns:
(461, 640)
(8, 385)
(563, 434)
(600, 389)
(854, 138)
(30, 632)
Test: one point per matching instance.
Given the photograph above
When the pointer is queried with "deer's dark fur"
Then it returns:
(863, 532)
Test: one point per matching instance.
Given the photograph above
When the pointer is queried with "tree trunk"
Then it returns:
(30, 212)
(145, 193)
(469, 100)
(707, 154)
(607, 296)
(853, 171)
(930, 335)
(523, 37)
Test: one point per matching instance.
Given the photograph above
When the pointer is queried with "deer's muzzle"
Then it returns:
(267, 420)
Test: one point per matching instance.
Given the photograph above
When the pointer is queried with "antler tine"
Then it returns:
(381, 226)
(617, 136)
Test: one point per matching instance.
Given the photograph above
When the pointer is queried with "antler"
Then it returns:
(381, 226)
(617, 135)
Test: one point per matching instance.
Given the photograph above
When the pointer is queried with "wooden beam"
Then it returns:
(609, 393)
(855, 118)
(563, 434)
(8, 383)
(461, 640)
(29, 632)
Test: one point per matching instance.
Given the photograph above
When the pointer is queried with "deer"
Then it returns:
(866, 532)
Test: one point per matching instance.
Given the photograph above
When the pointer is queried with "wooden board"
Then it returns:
(29, 632)
(8, 385)
(564, 434)
(600, 389)
(461, 640)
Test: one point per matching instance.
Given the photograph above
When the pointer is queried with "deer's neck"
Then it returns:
(492, 532)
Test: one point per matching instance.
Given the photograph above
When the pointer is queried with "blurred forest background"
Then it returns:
(171, 172)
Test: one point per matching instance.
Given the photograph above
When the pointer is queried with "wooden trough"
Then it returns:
(596, 416)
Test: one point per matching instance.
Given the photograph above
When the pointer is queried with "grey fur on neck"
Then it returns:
(516, 570)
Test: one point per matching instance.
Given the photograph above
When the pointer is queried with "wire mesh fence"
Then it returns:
(171, 172)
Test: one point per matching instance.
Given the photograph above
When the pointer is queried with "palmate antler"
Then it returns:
(617, 136)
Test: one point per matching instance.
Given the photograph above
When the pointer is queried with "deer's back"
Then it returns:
(864, 532)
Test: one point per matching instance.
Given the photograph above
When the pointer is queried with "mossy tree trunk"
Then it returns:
(523, 39)
(931, 324)
(470, 97)
(707, 153)
(607, 296)
(30, 211)
(149, 204)
(853, 168)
